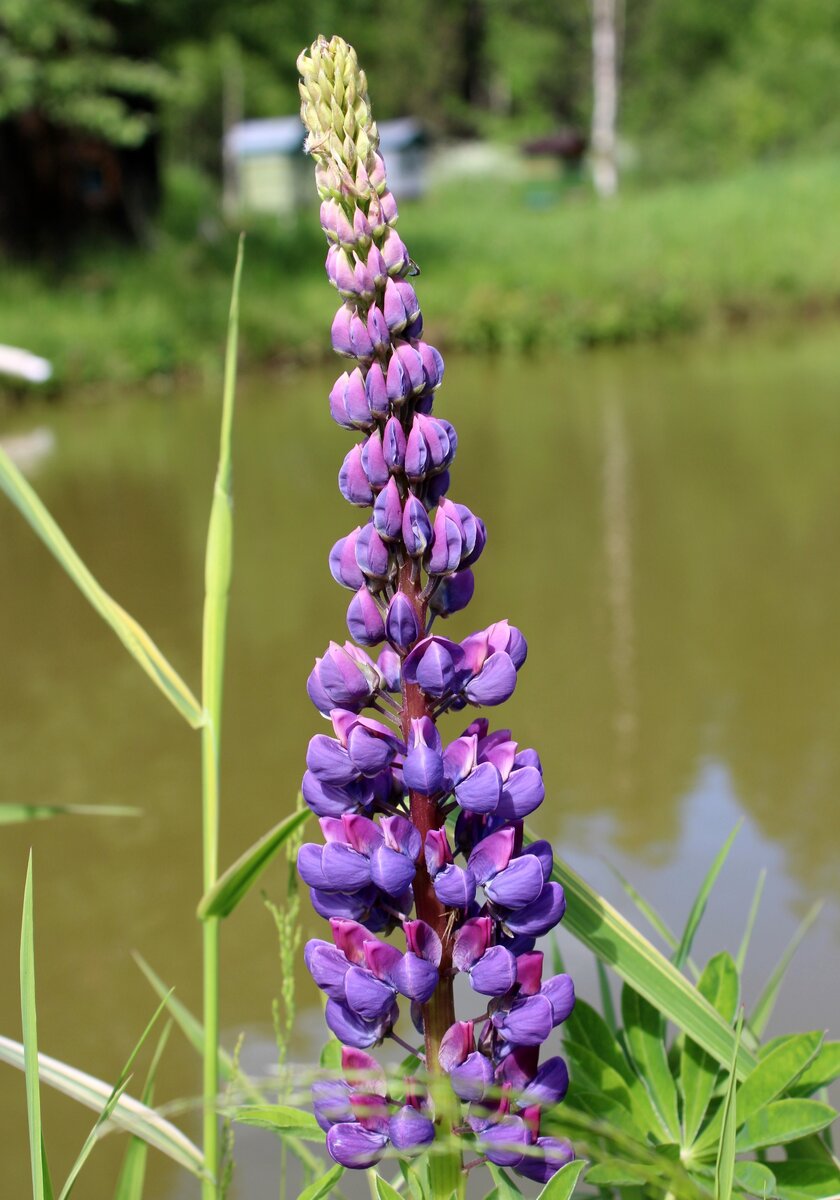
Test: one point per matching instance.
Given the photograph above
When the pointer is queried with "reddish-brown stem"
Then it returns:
(426, 814)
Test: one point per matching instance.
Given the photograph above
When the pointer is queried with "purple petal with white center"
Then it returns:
(351, 1145)
(503, 1142)
(541, 916)
(455, 886)
(416, 528)
(388, 665)
(459, 758)
(391, 871)
(528, 1022)
(523, 792)
(492, 854)
(447, 542)
(471, 941)
(495, 972)
(344, 679)
(366, 995)
(556, 1154)
(519, 884)
(400, 834)
(372, 554)
(549, 1085)
(393, 444)
(560, 992)
(394, 253)
(417, 458)
(415, 977)
(410, 1130)
(495, 683)
(481, 791)
(471, 1079)
(437, 851)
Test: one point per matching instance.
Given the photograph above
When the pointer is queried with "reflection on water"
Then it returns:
(665, 527)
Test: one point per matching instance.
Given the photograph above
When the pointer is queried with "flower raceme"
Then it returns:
(383, 786)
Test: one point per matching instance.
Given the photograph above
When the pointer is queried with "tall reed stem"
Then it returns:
(217, 576)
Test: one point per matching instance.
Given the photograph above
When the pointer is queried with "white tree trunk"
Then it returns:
(605, 96)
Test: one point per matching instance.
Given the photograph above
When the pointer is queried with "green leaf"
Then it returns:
(784, 1121)
(591, 1045)
(331, 1055)
(562, 1185)
(133, 637)
(615, 1171)
(133, 1171)
(755, 1178)
(776, 1071)
(505, 1186)
(128, 1114)
(606, 998)
(594, 922)
(741, 956)
(806, 1179)
(13, 814)
(821, 1072)
(322, 1187)
(221, 899)
(644, 1029)
(699, 906)
(29, 1019)
(720, 986)
(280, 1119)
(767, 1000)
(725, 1165)
(384, 1190)
(108, 1107)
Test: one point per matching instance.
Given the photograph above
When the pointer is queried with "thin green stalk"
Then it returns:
(217, 588)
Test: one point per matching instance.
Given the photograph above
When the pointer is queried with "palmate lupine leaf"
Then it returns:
(133, 637)
(719, 984)
(322, 1187)
(755, 1178)
(234, 883)
(699, 906)
(725, 1165)
(784, 1121)
(822, 1071)
(384, 1190)
(601, 928)
(776, 1072)
(806, 1179)
(644, 1031)
(562, 1185)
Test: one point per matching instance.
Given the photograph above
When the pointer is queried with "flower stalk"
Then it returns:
(383, 791)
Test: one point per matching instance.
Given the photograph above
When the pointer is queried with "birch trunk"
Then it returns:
(605, 96)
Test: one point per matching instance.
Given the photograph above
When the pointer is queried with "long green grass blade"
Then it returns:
(720, 985)
(653, 917)
(108, 1107)
(133, 1172)
(741, 956)
(280, 1119)
(602, 929)
(128, 1114)
(767, 1000)
(725, 1165)
(14, 814)
(133, 637)
(240, 877)
(29, 1020)
(699, 906)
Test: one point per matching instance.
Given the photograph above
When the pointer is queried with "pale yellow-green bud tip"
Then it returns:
(341, 133)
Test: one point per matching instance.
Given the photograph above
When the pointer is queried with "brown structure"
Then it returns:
(58, 185)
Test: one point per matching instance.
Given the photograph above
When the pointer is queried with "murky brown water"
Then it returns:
(665, 527)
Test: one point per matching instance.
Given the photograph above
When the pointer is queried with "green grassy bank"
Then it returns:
(503, 266)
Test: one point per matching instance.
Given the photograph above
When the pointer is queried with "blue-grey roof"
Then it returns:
(285, 135)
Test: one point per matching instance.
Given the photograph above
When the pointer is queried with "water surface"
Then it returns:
(664, 526)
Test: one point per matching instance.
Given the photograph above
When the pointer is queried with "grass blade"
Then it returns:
(699, 906)
(13, 814)
(767, 1000)
(725, 1165)
(741, 956)
(133, 1172)
(128, 1114)
(133, 637)
(108, 1107)
(239, 878)
(602, 929)
(29, 1021)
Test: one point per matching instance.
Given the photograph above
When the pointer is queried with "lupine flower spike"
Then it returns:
(473, 902)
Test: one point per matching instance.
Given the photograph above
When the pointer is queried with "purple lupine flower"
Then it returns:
(383, 786)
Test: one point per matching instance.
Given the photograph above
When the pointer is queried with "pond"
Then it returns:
(665, 528)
